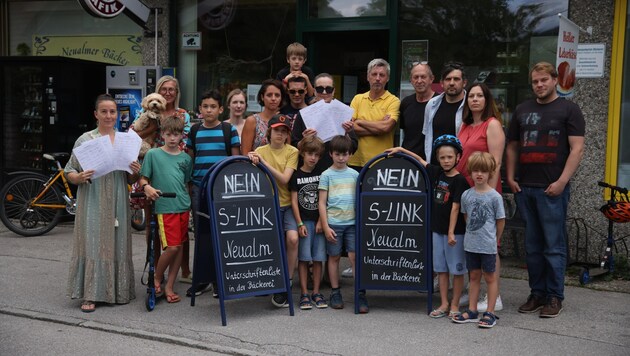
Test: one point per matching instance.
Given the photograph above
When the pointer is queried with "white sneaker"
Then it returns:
(347, 273)
(463, 300)
(482, 305)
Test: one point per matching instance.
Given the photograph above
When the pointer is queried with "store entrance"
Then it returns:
(345, 55)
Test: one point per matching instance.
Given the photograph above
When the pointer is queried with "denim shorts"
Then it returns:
(312, 247)
(447, 258)
(345, 240)
(483, 261)
(287, 218)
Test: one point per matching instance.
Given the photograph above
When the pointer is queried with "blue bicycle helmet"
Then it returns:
(448, 140)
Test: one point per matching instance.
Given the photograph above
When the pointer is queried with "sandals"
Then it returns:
(319, 300)
(305, 302)
(453, 314)
(488, 321)
(468, 316)
(438, 313)
(172, 298)
(88, 306)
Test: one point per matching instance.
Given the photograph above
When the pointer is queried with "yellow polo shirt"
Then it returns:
(373, 110)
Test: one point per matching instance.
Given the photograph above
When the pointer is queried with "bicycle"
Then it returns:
(616, 210)
(32, 203)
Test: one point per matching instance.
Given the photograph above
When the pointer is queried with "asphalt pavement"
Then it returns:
(33, 292)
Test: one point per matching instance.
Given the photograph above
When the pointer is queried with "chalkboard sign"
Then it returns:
(394, 248)
(247, 235)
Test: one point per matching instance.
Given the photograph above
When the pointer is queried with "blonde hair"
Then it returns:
(481, 161)
(311, 144)
(169, 78)
(296, 49)
(172, 124)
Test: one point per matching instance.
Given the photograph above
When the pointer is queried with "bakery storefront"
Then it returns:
(239, 43)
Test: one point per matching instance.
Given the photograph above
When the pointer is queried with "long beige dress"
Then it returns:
(101, 268)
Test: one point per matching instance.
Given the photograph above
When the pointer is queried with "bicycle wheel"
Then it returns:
(16, 211)
(138, 220)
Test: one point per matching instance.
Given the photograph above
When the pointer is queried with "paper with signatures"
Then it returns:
(103, 157)
(327, 118)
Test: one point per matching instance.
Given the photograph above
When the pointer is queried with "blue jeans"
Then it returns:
(545, 239)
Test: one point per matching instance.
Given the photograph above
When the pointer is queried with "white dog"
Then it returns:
(153, 104)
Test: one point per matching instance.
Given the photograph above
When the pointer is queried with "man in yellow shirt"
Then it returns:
(375, 115)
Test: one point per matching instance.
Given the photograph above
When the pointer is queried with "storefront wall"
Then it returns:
(244, 42)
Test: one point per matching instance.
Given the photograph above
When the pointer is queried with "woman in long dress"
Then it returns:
(101, 268)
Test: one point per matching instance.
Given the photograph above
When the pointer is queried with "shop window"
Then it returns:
(323, 9)
(497, 41)
(248, 49)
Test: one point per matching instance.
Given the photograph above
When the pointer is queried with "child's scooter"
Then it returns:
(150, 259)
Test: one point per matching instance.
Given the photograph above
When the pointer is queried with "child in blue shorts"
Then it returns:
(447, 223)
(312, 244)
(337, 214)
(485, 219)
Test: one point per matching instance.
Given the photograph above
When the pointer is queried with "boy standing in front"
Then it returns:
(208, 142)
(168, 169)
(447, 224)
(485, 219)
(312, 244)
(337, 214)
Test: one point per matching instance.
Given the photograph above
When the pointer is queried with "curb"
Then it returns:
(140, 334)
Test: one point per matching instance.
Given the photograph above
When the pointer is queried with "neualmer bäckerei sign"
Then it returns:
(121, 50)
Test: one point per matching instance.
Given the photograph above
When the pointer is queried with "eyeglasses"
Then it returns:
(168, 90)
(321, 89)
(424, 63)
(299, 91)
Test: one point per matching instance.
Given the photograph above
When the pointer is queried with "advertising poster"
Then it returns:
(128, 102)
(568, 38)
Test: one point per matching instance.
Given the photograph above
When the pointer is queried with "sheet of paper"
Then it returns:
(327, 118)
(96, 154)
(125, 150)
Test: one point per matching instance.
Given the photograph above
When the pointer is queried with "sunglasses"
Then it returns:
(299, 91)
(321, 90)
(168, 90)
(424, 63)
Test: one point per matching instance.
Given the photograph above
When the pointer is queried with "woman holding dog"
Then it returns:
(255, 129)
(101, 267)
(168, 87)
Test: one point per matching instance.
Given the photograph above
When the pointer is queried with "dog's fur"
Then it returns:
(153, 104)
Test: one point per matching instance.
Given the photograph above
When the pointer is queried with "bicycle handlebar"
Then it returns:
(613, 187)
(163, 195)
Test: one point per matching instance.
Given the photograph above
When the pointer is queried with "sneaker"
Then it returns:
(347, 273)
(201, 289)
(363, 304)
(482, 305)
(215, 290)
(534, 303)
(280, 300)
(336, 300)
(463, 300)
(552, 309)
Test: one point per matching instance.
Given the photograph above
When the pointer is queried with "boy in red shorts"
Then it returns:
(168, 169)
